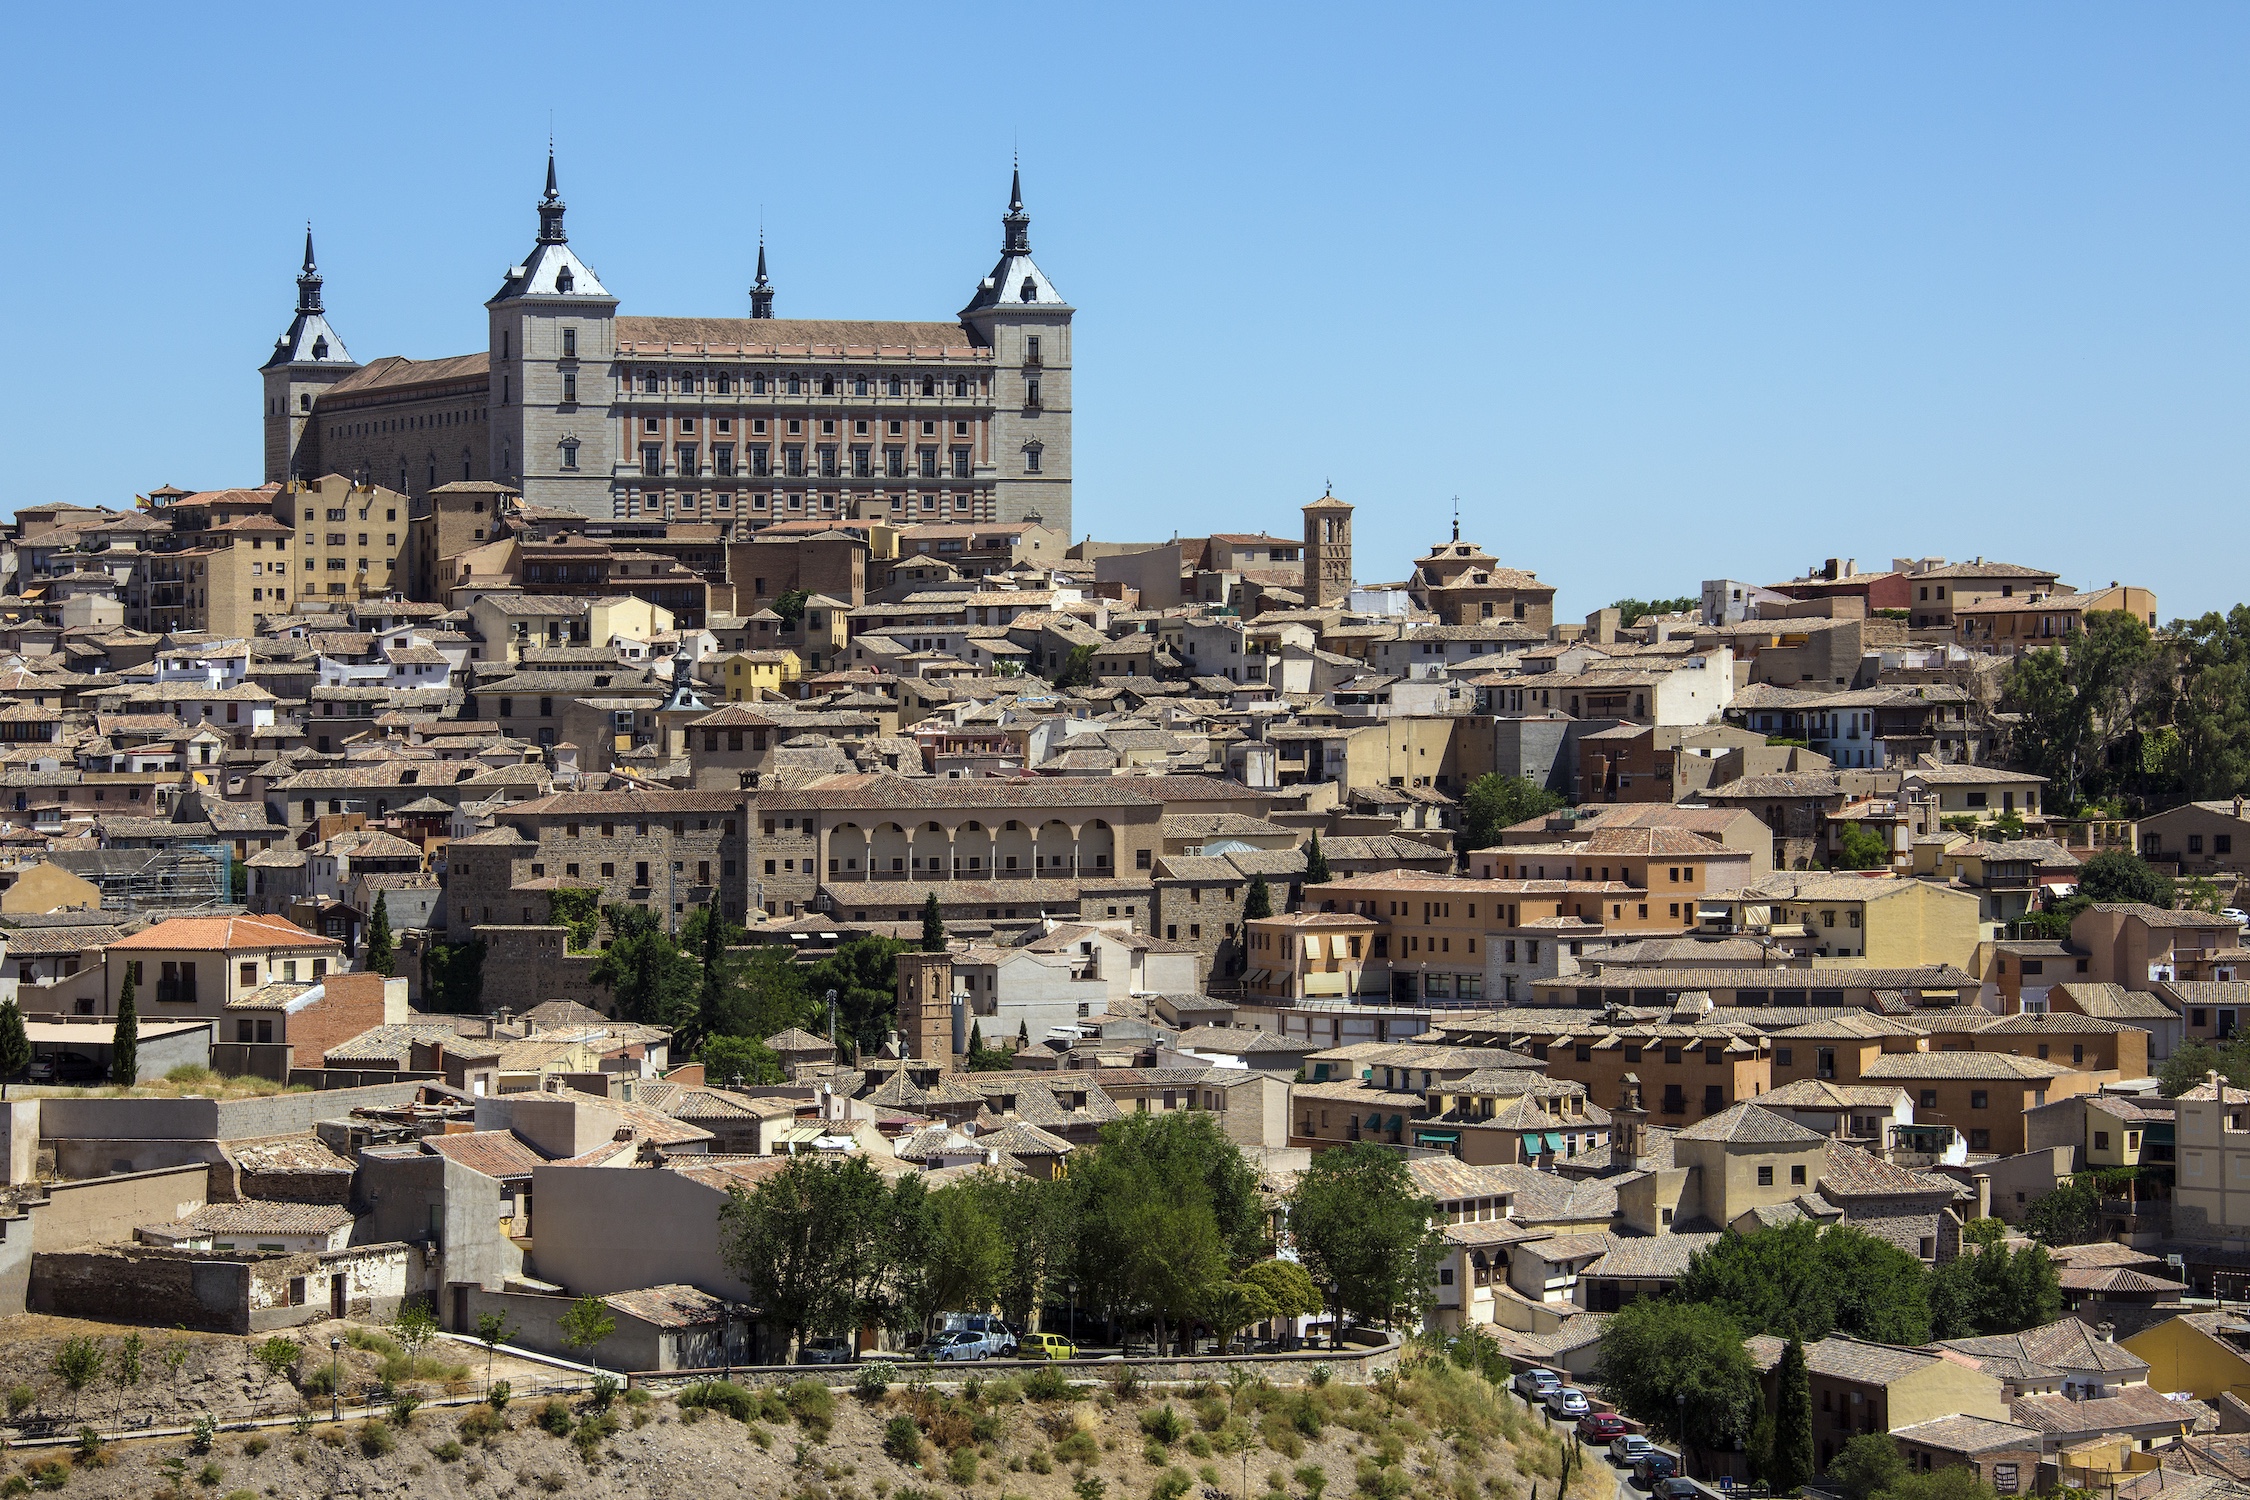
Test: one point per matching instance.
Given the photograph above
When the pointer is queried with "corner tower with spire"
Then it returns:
(1017, 314)
(761, 290)
(552, 342)
(306, 360)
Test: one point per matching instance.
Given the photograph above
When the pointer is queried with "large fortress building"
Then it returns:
(751, 420)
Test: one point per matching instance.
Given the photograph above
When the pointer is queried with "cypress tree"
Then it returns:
(125, 1042)
(976, 1037)
(15, 1044)
(1316, 864)
(379, 956)
(1259, 902)
(1792, 1462)
(933, 926)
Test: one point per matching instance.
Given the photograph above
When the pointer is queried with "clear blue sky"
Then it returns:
(1661, 292)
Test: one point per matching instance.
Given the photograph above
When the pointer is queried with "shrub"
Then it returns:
(21, 1398)
(1314, 1478)
(1125, 1381)
(447, 1452)
(902, 1440)
(1210, 1413)
(200, 1433)
(719, 1395)
(961, 1466)
(47, 1473)
(191, 1076)
(209, 1476)
(499, 1394)
(1164, 1424)
(1090, 1487)
(252, 1447)
(555, 1416)
(604, 1391)
(1006, 1391)
(873, 1379)
(89, 1442)
(481, 1422)
(813, 1405)
(375, 1438)
(1040, 1462)
(1078, 1448)
(1321, 1375)
(1170, 1485)
(1047, 1384)
(403, 1409)
(277, 1354)
(1153, 1454)
(319, 1380)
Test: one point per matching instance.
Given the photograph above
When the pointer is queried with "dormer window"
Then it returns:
(320, 348)
(1030, 291)
(564, 281)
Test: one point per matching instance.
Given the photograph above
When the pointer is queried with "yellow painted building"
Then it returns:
(743, 675)
(351, 538)
(1877, 921)
(2190, 1353)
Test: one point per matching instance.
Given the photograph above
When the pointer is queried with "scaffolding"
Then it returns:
(183, 876)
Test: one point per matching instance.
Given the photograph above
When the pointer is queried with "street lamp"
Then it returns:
(1681, 1401)
(335, 1378)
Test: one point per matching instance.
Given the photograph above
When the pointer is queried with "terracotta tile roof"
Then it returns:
(1748, 1124)
(224, 934)
(1995, 1065)
(1650, 1257)
(253, 1216)
(495, 1153)
(672, 1306)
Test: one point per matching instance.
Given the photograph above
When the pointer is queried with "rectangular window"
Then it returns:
(793, 460)
(863, 464)
(960, 463)
(570, 386)
(827, 461)
(722, 460)
(925, 462)
(652, 460)
(686, 456)
(570, 343)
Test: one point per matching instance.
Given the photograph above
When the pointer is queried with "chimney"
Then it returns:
(1829, 569)
(1983, 1181)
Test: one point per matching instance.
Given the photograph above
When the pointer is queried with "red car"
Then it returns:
(1599, 1427)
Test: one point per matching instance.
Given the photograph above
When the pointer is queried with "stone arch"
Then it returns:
(933, 851)
(887, 851)
(973, 851)
(848, 852)
(1057, 848)
(1097, 848)
(1013, 849)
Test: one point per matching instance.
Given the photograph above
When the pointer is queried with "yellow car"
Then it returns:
(1045, 1346)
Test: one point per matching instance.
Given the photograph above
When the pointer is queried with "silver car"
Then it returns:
(1567, 1401)
(1536, 1383)
(958, 1345)
(1628, 1449)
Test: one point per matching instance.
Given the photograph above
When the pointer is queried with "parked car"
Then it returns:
(1045, 1346)
(957, 1345)
(1536, 1383)
(1599, 1427)
(2236, 915)
(1653, 1467)
(824, 1352)
(1628, 1448)
(1678, 1487)
(998, 1336)
(66, 1067)
(1566, 1401)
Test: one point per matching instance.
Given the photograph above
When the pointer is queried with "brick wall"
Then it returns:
(349, 1005)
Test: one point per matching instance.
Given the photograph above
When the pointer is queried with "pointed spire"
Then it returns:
(1015, 225)
(761, 291)
(308, 279)
(1457, 518)
(551, 207)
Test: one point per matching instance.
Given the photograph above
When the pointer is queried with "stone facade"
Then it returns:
(670, 851)
(743, 420)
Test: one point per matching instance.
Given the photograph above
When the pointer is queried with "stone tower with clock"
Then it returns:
(1328, 552)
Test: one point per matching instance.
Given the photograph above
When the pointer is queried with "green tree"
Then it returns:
(577, 910)
(1363, 1233)
(1790, 1462)
(1863, 849)
(1078, 671)
(1990, 1290)
(1316, 863)
(649, 979)
(1870, 1465)
(1494, 803)
(1257, 902)
(863, 971)
(125, 1040)
(379, 957)
(2196, 894)
(2115, 875)
(1286, 1285)
(2080, 704)
(1633, 611)
(965, 1258)
(1681, 1369)
(2070, 1215)
(1799, 1280)
(933, 925)
(2191, 1065)
(493, 1330)
(15, 1044)
(2211, 708)
(807, 1242)
(1231, 1306)
(726, 1058)
(586, 1325)
(1166, 1206)
(983, 1059)
(791, 607)
(1038, 1221)
(453, 977)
